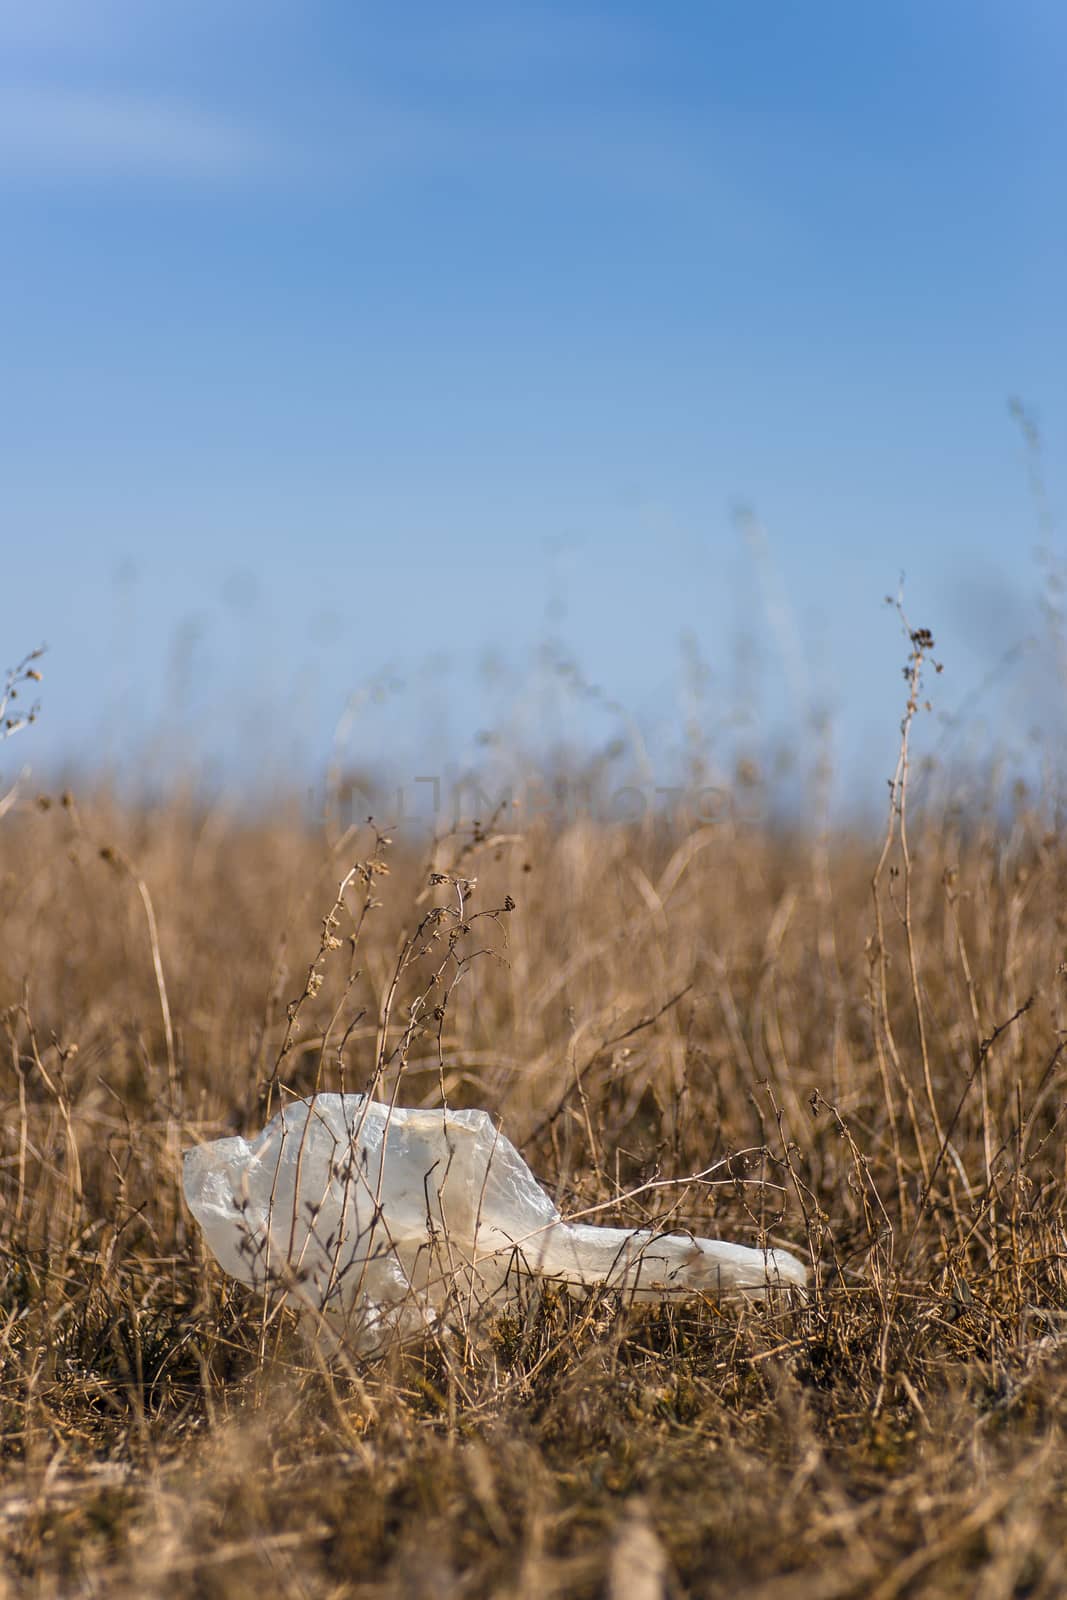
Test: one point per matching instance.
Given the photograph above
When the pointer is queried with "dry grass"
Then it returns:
(658, 998)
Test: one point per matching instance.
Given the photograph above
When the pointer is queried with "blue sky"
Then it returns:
(348, 346)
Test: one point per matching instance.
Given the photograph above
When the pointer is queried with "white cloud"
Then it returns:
(80, 97)
(62, 130)
(91, 28)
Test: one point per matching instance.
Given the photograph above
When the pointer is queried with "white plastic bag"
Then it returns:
(385, 1219)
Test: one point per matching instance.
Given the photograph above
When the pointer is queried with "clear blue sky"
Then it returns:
(343, 338)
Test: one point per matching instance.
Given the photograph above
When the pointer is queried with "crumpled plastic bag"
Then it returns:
(386, 1220)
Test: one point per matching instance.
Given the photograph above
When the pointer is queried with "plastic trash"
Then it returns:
(386, 1220)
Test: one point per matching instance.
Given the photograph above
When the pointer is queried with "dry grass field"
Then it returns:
(869, 1041)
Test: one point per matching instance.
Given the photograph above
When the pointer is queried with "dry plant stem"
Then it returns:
(418, 945)
(58, 1091)
(12, 722)
(476, 837)
(982, 1048)
(313, 981)
(427, 935)
(982, 1054)
(164, 1004)
(117, 858)
(368, 872)
(605, 1044)
(921, 643)
(896, 833)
